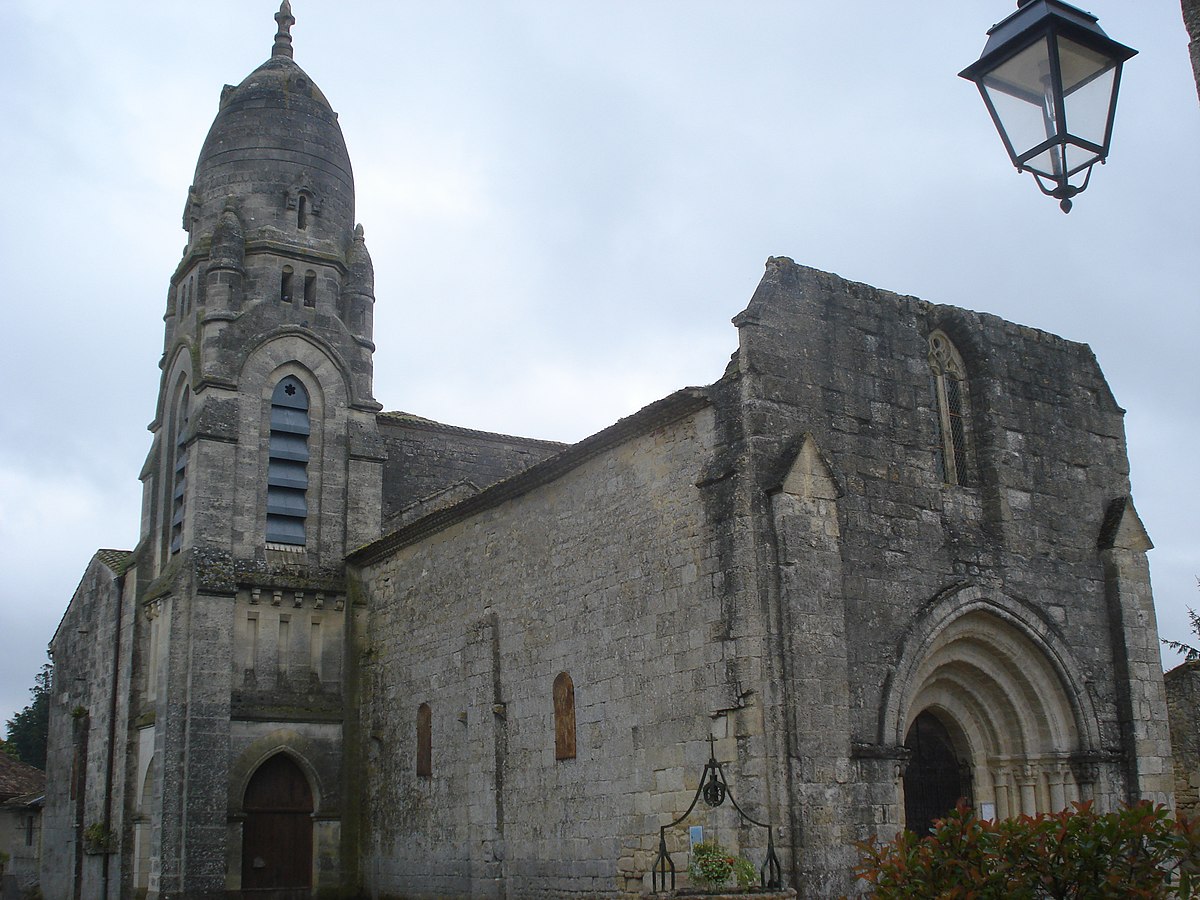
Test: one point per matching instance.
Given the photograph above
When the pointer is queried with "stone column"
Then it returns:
(1000, 776)
(1028, 789)
(1058, 795)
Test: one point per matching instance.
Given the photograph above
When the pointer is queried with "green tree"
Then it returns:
(1138, 852)
(1190, 652)
(27, 729)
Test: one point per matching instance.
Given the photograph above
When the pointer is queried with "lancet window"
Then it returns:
(287, 464)
(424, 740)
(949, 380)
(179, 467)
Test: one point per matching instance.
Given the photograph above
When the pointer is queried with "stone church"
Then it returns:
(888, 560)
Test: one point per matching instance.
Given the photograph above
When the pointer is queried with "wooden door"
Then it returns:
(277, 832)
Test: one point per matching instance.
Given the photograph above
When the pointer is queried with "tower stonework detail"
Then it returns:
(889, 559)
(234, 638)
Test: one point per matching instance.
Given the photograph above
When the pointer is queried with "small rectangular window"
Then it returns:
(315, 645)
(284, 645)
(424, 740)
(310, 289)
(285, 285)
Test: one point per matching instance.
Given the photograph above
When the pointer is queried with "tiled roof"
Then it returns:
(17, 778)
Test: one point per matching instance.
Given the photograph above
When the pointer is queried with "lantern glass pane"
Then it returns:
(1088, 100)
(1049, 163)
(1025, 75)
(1080, 65)
(1079, 157)
(1019, 90)
(1024, 123)
(1062, 161)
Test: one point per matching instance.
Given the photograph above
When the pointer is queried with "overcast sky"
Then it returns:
(566, 203)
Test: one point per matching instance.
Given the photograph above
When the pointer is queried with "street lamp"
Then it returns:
(1049, 76)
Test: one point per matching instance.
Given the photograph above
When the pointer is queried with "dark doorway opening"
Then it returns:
(934, 780)
(277, 849)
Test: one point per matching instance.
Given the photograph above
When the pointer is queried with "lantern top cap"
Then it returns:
(1035, 18)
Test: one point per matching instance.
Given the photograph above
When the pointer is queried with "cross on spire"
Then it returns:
(283, 37)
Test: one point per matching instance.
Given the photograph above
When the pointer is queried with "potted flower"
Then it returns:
(715, 868)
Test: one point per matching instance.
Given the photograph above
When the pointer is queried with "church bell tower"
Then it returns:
(265, 470)
(275, 286)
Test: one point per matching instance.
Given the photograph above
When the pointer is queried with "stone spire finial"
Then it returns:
(360, 276)
(283, 38)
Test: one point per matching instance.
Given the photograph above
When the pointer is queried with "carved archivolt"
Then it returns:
(1009, 698)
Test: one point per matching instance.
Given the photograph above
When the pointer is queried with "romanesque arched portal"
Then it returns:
(988, 711)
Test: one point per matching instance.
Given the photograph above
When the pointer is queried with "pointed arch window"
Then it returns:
(287, 464)
(564, 717)
(949, 379)
(179, 465)
(424, 740)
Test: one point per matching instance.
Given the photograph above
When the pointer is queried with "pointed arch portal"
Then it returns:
(277, 835)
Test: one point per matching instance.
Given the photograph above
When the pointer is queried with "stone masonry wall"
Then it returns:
(610, 575)
(84, 794)
(1183, 701)
(848, 365)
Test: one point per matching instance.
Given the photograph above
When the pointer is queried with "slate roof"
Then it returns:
(18, 779)
(668, 409)
(117, 560)
(414, 421)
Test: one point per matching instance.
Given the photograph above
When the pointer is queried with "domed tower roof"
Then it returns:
(277, 150)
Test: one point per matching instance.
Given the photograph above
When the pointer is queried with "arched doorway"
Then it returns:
(991, 709)
(277, 835)
(934, 779)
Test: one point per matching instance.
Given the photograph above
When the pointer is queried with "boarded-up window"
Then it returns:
(564, 717)
(424, 740)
